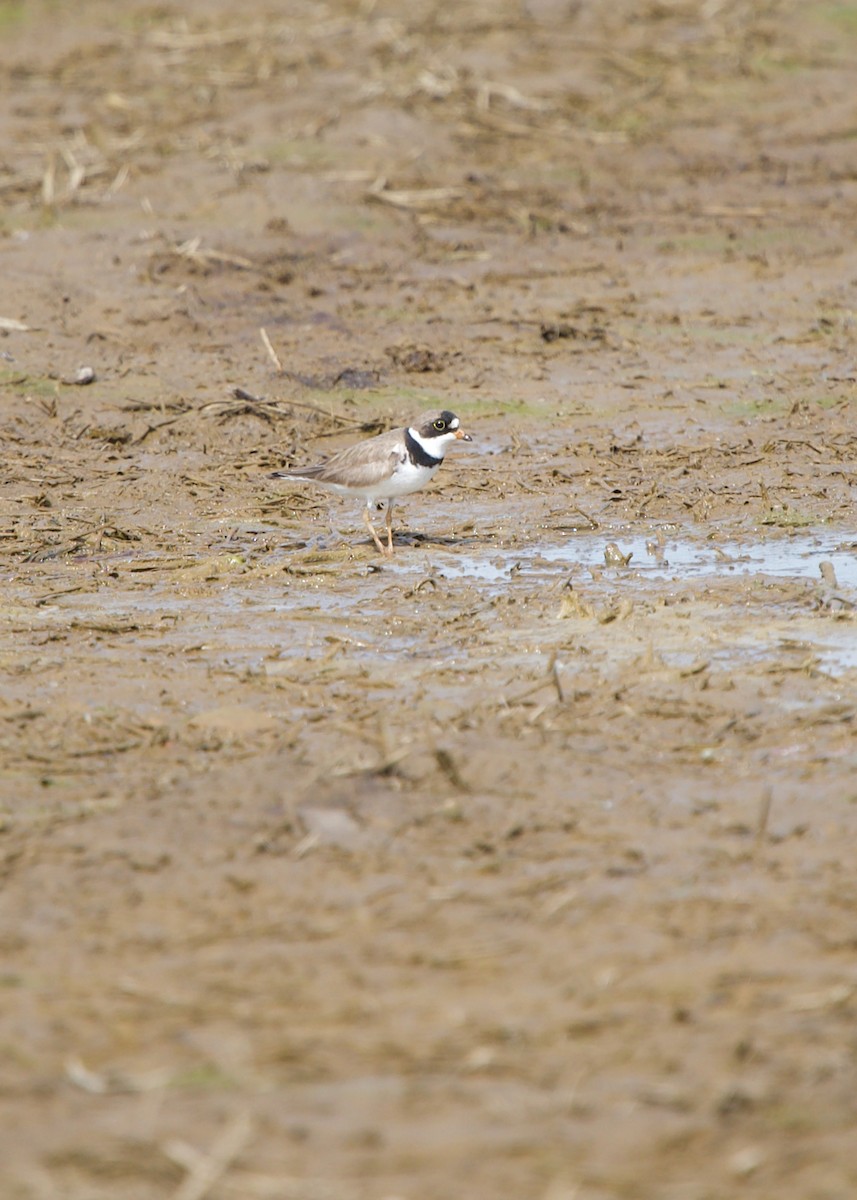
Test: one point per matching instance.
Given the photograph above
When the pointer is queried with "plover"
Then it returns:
(385, 467)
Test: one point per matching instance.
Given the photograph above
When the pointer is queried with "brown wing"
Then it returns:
(362, 465)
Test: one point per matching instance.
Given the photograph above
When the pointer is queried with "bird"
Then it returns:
(385, 467)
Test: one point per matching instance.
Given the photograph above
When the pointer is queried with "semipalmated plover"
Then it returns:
(385, 467)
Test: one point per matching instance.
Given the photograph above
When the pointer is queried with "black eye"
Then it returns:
(440, 425)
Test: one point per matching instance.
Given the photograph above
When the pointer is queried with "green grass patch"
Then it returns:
(844, 16)
(785, 517)
(766, 406)
(766, 64)
(11, 13)
(302, 152)
(27, 385)
(207, 1077)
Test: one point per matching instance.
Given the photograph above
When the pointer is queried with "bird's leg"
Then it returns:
(389, 527)
(368, 520)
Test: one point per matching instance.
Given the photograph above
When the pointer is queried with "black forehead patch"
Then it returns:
(449, 417)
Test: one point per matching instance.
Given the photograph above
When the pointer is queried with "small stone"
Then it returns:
(744, 1162)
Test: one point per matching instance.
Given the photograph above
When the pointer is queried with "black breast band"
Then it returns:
(417, 453)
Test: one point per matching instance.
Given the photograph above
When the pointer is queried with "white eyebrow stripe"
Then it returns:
(454, 423)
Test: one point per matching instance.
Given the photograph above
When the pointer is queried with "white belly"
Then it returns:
(405, 479)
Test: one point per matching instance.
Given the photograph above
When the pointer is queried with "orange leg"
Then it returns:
(389, 527)
(368, 521)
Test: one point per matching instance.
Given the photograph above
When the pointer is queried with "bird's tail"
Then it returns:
(302, 473)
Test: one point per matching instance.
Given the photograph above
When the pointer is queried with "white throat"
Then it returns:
(435, 446)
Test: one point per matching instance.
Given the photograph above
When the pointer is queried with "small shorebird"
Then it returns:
(385, 467)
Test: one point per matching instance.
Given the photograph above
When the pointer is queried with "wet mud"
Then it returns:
(520, 864)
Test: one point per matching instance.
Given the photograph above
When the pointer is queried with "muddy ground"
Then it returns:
(511, 867)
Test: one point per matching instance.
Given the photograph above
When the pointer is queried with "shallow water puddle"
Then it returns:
(833, 647)
(246, 620)
(796, 557)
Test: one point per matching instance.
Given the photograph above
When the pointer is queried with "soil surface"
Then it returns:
(511, 866)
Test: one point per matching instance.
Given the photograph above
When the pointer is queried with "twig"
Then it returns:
(450, 769)
(272, 354)
(413, 198)
(48, 182)
(192, 249)
(153, 428)
(275, 406)
(555, 666)
(49, 597)
(593, 524)
(764, 814)
(206, 1169)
